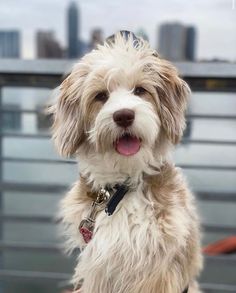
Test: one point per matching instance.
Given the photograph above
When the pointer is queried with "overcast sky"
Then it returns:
(215, 20)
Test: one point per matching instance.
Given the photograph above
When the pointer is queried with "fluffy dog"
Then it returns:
(120, 112)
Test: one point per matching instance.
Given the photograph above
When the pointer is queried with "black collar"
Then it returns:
(114, 200)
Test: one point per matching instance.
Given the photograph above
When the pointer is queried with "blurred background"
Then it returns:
(39, 42)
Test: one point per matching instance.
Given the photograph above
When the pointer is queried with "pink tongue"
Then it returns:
(128, 145)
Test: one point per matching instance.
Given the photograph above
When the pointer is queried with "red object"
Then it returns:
(225, 246)
(86, 233)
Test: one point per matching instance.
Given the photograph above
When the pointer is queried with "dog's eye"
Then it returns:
(138, 91)
(102, 97)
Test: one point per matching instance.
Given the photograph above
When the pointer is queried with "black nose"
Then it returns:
(124, 117)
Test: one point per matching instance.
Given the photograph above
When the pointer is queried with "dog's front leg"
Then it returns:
(73, 209)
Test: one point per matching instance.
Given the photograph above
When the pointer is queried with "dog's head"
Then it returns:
(122, 99)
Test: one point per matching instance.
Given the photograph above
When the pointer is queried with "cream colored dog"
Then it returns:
(120, 112)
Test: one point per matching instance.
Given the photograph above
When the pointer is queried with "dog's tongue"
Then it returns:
(127, 145)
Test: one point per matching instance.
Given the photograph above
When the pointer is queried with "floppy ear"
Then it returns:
(68, 124)
(173, 93)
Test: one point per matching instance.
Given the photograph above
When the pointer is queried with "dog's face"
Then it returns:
(120, 99)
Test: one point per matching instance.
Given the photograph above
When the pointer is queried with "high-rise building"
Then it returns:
(10, 44)
(96, 38)
(73, 50)
(47, 45)
(177, 42)
(191, 43)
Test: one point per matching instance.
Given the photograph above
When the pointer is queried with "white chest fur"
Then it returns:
(124, 248)
(142, 247)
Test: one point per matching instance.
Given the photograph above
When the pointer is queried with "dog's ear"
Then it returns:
(68, 125)
(173, 94)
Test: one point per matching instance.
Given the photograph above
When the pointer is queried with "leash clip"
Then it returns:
(86, 226)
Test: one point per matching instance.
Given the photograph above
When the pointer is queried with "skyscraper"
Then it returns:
(47, 45)
(191, 43)
(73, 31)
(177, 42)
(10, 44)
(172, 41)
(96, 38)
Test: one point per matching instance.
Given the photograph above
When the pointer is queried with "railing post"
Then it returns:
(1, 181)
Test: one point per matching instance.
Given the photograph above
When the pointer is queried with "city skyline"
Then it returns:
(215, 22)
(47, 45)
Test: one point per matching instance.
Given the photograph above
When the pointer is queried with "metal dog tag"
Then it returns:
(86, 229)
(86, 226)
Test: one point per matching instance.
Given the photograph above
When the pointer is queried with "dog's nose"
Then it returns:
(124, 117)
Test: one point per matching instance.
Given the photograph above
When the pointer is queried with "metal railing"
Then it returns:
(208, 77)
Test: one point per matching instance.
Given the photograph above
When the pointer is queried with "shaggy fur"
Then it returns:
(151, 243)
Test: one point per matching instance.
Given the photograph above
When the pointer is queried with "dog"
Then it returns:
(131, 213)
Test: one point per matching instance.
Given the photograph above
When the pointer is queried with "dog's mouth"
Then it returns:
(128, 145)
